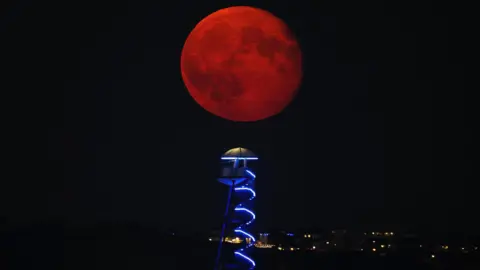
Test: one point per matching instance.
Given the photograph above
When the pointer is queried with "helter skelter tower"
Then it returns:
(238, 214)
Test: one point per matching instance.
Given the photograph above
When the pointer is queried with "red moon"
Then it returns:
(242, 64)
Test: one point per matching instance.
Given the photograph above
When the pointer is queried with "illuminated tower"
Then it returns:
(238, 214)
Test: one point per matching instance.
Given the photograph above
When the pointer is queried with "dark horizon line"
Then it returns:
(189, 229)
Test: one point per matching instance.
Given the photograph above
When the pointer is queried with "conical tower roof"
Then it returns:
(239, 153)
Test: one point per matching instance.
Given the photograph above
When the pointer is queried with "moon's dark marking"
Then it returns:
(251, 35)
(266, 46)
(226, 88)
(213, 81)
(216, 38)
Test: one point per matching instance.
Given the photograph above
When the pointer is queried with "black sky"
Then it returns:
(377, 136)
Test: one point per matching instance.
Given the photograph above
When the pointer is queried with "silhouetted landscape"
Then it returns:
(133, 247)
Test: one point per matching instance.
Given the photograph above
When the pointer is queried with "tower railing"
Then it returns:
(239, 214)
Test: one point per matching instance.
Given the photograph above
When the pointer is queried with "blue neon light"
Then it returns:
(251, 173)
(242, 206)
(246, 210)
(248, 189)
(239, 158)
(245, 257)
(245, 233)
(239, 229)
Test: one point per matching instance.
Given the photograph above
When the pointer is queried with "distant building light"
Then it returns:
(433, 256)
(361, 249)
(209, 239)
(309, 236)
(292, 249)
(373, 233)
(389, 245)
(328, 243)
(382, 246)
(421, 246)
(374, 249)
(373, 241)
(313, 247)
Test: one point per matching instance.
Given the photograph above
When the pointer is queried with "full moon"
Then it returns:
(242, 64)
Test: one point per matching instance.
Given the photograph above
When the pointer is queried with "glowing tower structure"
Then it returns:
(238, 214)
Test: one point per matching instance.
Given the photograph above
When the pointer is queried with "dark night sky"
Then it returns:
(377, 136)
